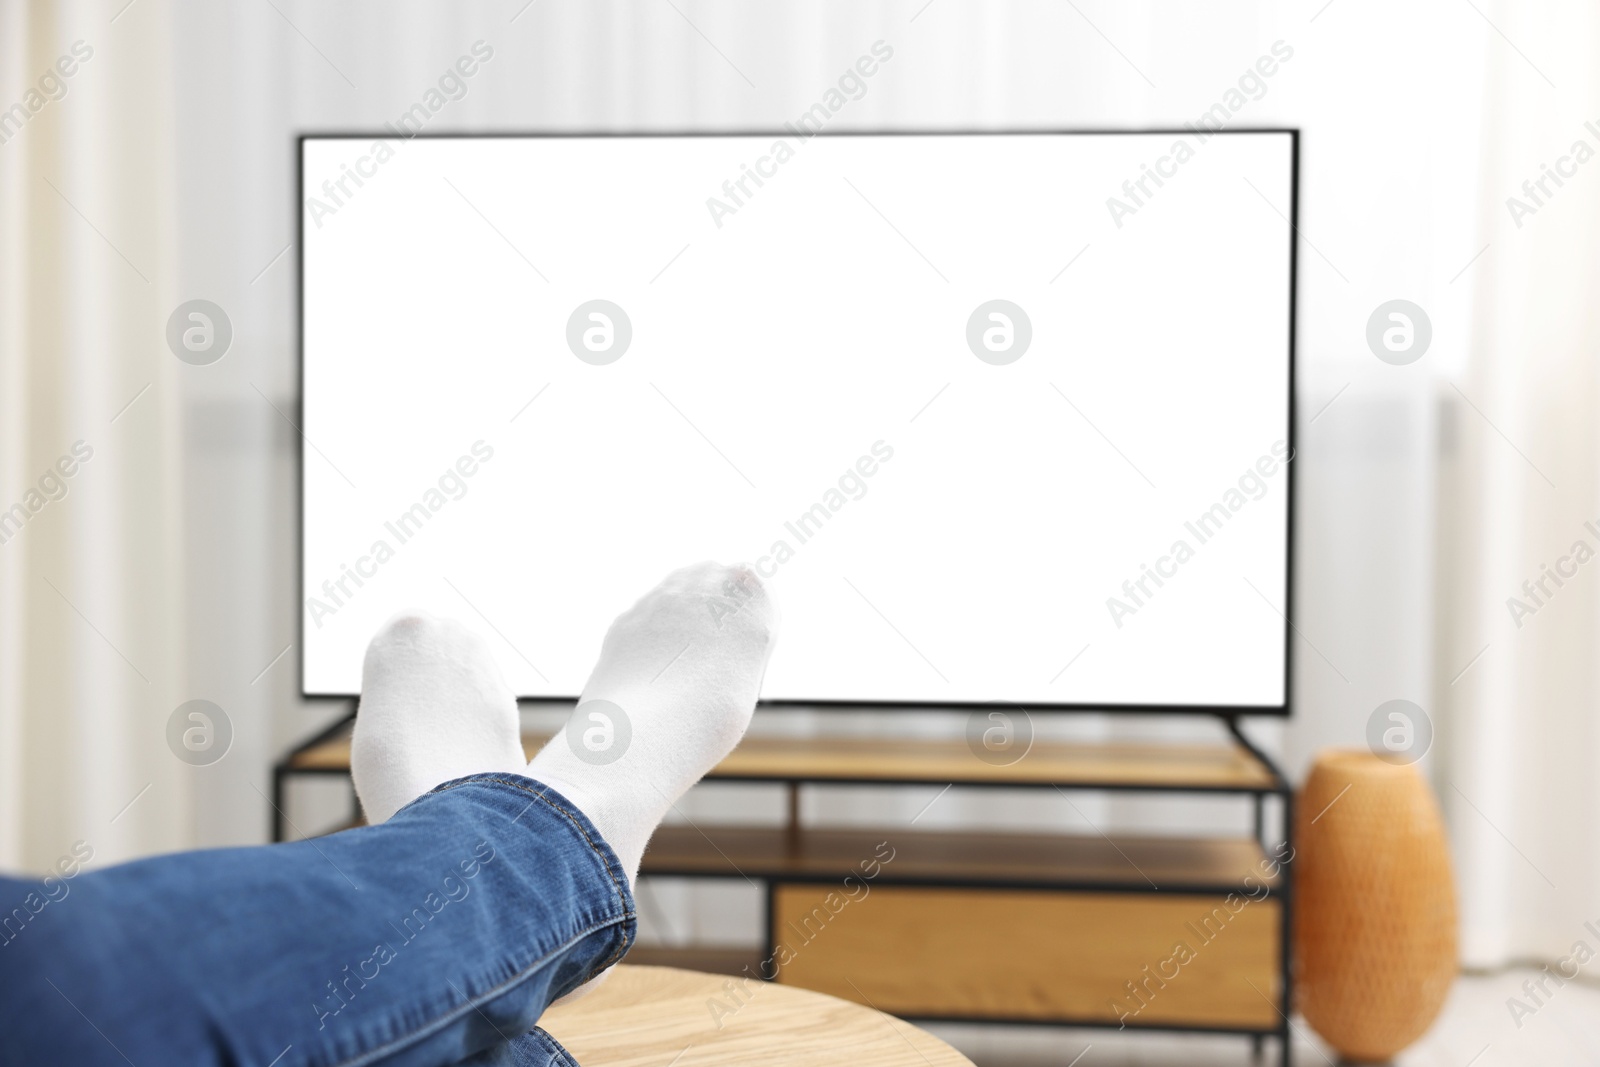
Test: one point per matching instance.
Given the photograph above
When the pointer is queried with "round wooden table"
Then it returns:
(659, 1016)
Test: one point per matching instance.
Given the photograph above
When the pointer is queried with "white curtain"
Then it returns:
(91, 581)
(1420, 510)
(1522, 480)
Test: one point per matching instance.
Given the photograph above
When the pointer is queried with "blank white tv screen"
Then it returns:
(999, 417)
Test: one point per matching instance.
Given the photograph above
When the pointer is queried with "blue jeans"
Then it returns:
(436, 938)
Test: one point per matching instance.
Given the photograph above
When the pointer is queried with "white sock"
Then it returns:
(684, 666)
(434, 707)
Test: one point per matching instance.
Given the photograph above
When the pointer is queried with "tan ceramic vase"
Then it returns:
(1374, 905)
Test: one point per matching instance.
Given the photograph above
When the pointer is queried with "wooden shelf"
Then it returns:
(999, 860)
(906, 760)
(1037, 955)
(903, 761)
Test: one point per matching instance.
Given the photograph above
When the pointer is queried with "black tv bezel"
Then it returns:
(1229, 711)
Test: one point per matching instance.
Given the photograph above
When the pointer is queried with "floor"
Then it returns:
(1476, 1029)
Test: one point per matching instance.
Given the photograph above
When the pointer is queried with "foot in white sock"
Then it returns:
(434, 707)
(672, 694)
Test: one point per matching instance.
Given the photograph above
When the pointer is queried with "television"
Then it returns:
(997, 417)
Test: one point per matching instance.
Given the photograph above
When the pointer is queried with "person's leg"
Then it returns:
(421, 941)
(536, 1048)
(441, 933)
(436, 937)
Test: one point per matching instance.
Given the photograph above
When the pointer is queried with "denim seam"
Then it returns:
(472, 1003)
(562, 1058)
(620, 890)
(576, 825)
(519, 977)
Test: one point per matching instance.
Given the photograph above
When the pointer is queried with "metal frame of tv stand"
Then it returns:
(1283, 892)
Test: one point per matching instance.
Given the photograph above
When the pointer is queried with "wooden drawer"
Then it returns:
(1141, 958)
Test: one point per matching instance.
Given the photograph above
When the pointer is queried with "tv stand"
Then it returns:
(1076, 929)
